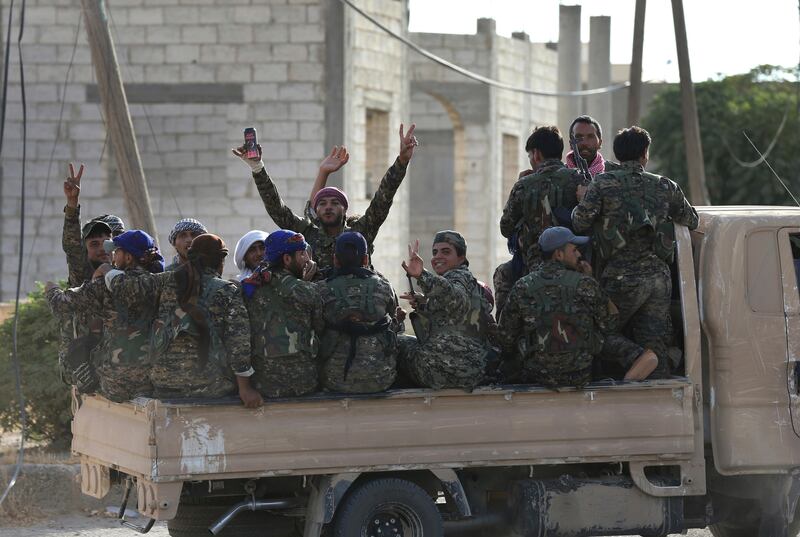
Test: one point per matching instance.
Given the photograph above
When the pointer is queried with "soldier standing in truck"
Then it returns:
(631, 213)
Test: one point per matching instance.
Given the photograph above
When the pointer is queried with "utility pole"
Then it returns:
(117, 115)
(635, 90)
(698, 193)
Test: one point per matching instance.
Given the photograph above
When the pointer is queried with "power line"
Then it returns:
(475, 76)
(23, 416)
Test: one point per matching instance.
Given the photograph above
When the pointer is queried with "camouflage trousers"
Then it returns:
(181, 375)
(643, 301)
(449, 360)
(556, 369)
(617, 356)
(123, 383)
(290, 375)
(373, 369)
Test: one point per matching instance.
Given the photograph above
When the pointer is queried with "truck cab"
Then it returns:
(715, 445)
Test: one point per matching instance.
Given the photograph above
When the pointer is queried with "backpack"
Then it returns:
(640, 205)
(561, 327)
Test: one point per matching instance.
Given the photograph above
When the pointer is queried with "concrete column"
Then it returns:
(569, 63)
(600, 106)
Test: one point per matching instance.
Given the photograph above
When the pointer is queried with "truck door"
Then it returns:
(789, 246)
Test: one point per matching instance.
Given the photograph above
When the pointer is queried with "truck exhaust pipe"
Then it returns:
(249, 505)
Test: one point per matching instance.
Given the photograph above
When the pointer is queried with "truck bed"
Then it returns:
(173, 441)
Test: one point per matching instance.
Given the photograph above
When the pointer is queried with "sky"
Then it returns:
(723, 39)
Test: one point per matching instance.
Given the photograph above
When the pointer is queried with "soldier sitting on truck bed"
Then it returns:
(631, 213)
(557, 319)
(285, 317)
(358, 349)
(200, 337)
(450, 319)
(122, 359)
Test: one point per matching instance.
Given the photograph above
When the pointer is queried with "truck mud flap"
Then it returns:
(575, 507)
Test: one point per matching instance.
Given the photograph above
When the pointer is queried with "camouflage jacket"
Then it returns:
(285, 317)
(78, 264)
(556, 316)
(631, 213)
(454, 303)
(321, 244)
(533, 200)
(177, 344)
(356, 300)
(503, 279)
(126, 318)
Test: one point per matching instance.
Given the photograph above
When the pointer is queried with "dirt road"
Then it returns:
(84, 526)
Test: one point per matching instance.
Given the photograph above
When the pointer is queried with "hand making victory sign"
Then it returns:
(407, 144)
(72, 186)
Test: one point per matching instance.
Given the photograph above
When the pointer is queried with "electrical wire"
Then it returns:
(55, 142)
(475, 76)
(770, 147)
(23, 417)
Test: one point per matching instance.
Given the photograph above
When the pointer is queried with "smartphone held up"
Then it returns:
(250, 143)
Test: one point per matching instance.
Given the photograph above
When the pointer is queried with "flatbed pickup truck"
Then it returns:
(717, 445)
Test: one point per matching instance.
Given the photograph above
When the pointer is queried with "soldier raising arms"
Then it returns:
(330, 204)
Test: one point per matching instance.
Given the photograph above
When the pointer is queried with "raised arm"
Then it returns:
(77, 262)
(337, 158)
(377, 211)
(588, 209)
(280, 213)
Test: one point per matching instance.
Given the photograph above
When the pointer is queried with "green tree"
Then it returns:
(47, 398)
(755, 103)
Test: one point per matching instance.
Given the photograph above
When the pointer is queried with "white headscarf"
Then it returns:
(242, 246)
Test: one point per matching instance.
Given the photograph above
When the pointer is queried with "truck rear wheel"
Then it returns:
(389, 507)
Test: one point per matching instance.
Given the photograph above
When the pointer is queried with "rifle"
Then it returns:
(420, 323)
(580, 162)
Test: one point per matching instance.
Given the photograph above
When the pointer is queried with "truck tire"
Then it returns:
(388, 507)
(193, 520)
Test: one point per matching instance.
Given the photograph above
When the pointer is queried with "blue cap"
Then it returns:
(554, 238)
(282, 242)
(135, 241)
(352, 239)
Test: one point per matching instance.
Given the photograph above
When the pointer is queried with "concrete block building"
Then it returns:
(308, 74)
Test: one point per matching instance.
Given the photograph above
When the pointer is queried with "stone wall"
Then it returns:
(197, 72)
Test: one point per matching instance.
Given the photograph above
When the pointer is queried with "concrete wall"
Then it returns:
(197, 72)
(479, 116)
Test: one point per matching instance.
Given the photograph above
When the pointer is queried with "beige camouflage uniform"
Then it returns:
(321, 244)
(530, 205)
(453, 350)
(122, 359)
(364, 303)
(178, 369)
(631, 213)
(285, 320)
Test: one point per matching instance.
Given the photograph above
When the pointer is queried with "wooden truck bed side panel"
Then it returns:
(414, 429)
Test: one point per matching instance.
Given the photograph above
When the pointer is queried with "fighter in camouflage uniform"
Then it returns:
(201, 337)
(543, 199)
(122, 358)
(557, 319)
(330, 204)
(359, 345)
(81, 330)
(450, 319)
(285, 319)
(632, 213)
